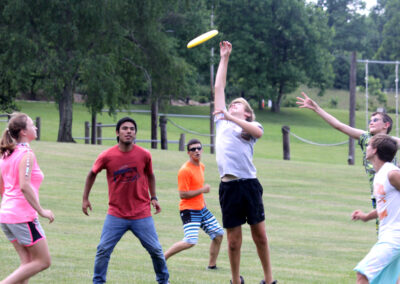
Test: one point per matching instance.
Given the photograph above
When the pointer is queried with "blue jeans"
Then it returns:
(113, 229)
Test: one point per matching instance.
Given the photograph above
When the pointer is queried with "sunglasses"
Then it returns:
(195, 148)
(374, 120)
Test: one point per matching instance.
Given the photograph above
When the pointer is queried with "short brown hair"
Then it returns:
(193, 141)
(386, 147)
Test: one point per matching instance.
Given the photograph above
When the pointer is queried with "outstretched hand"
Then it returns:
(227, 115)
(225, 48)
(306, 102)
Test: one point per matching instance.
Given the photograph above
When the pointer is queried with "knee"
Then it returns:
(218, 239)
(234, 245)
(45, 263)
(261, 241)
(361, 278)
(103, 251)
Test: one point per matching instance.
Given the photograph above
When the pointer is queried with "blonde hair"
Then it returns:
(247, 108)
(17, 122)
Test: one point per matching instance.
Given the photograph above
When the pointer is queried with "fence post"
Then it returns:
(38, 126)
(182, 142)
(163, 130)
(286, 142)
(98, 127)
(87, 132)
(94, 122)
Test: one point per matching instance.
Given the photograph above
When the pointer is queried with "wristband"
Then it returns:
(154, 198)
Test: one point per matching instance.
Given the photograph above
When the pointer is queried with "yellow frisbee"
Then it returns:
(202, 38)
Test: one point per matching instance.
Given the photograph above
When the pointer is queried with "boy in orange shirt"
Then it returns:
(193, 210)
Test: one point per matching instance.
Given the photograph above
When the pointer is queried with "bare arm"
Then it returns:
(25, 171)
(152, 188)
(90, 179)
(1, 185)
(193, 193)
(360, 215)
(306, 102)
(394, 179)
(247, 126)
(220, 78)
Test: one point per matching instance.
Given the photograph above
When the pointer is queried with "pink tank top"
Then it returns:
(14, 207)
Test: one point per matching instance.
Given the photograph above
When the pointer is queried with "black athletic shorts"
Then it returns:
(241, 202)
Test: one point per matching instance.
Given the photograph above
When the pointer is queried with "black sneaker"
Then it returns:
(213, 267)
(273, 282)
(241, 280)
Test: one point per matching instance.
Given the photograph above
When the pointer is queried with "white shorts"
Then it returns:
(381, 264)
(26, 234)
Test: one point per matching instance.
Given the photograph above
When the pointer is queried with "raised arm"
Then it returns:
(220, 79)
(306, 102)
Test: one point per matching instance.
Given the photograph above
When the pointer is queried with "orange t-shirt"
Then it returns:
(191, 177)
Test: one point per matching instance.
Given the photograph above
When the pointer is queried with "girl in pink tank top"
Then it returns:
(20, 179)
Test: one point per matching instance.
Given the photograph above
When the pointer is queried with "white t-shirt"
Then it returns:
(388, 205)
(234, 151)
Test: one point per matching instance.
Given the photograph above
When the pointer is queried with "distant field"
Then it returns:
(303, 123)
(308, 206)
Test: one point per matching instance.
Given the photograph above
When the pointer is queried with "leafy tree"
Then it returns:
(277, 46)
(389, 49)
(57, 37)
(350, 34)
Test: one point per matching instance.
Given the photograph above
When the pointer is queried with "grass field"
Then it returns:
(308, 203)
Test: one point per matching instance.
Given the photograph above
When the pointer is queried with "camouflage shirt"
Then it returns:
(369, 169)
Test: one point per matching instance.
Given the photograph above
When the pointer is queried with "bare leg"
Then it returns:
(214, 250)
(177, 247)
(234, 244)
(361, 279)
(33, 260)
(260, 239)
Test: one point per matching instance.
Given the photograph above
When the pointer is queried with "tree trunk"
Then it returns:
(276, 104)
(65, 112)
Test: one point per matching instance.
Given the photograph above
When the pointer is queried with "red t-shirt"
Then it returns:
(127, 177)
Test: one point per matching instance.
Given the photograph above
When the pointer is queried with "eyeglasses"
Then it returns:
(195, 148)
(374, 120)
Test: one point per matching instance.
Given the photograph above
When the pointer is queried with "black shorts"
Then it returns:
(241, 202)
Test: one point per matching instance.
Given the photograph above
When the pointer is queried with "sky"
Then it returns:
(370, 3)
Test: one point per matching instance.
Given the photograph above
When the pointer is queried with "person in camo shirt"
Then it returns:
(380, 123)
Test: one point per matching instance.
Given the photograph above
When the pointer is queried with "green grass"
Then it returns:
(308, 203)
(308, 207)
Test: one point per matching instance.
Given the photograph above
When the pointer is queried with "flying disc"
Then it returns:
(202, 38)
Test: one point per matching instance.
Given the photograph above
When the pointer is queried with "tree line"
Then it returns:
(123, 51)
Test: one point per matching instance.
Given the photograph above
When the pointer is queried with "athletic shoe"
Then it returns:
(273, 282)
(241, 280)
(214, 267)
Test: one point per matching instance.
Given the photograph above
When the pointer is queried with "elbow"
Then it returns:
(24, 188)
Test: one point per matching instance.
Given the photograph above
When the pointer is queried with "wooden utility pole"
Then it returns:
(212, 137)
(352, 103)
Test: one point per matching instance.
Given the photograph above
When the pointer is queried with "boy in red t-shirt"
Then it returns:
(193, 210)
(131, 190)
